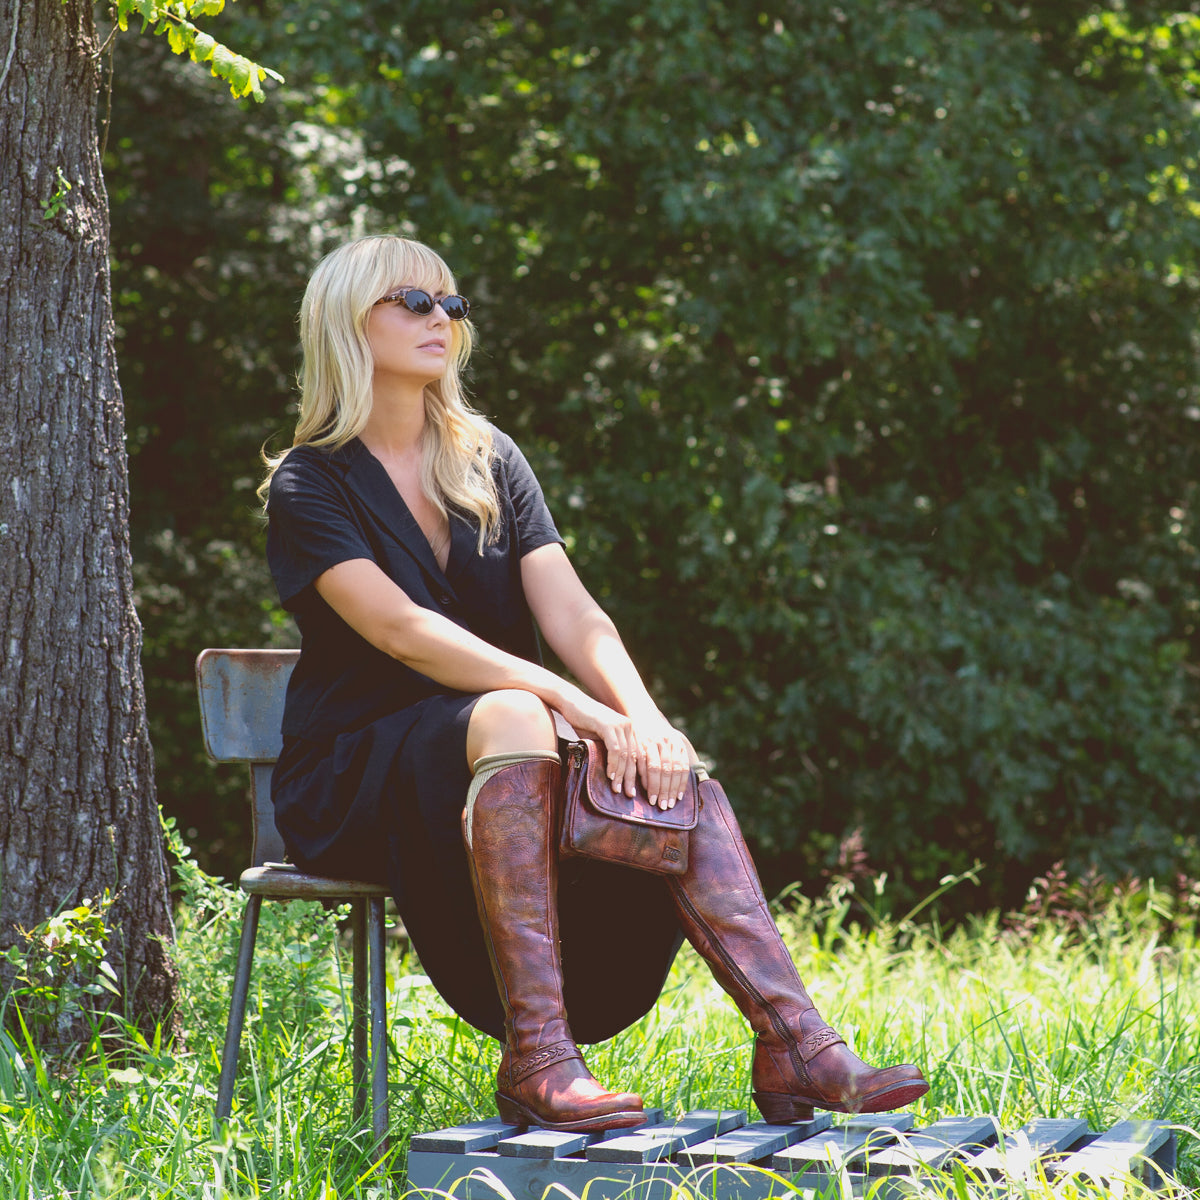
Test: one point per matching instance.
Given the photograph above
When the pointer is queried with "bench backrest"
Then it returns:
(241, 708)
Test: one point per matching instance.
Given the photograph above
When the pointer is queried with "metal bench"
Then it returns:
(719, 1155)
(241, 707)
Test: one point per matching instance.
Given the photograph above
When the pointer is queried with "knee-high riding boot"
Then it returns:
(800, 1063)
(513, 853)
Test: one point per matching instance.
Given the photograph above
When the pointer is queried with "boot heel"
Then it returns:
(511, 1113)
(778, 1109)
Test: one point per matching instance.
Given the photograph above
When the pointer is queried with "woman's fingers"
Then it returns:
(653, 775)
(679, 776)
(673, 789)
(621, 756)
(664, 769)
(614, 731)
(633, 765)
(660, 758)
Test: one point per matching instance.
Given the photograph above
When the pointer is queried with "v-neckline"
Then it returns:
(426, 544)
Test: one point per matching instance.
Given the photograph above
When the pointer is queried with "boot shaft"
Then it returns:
(725, 915)
(514, 866)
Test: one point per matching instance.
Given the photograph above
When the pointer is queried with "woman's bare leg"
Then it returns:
(509, 722)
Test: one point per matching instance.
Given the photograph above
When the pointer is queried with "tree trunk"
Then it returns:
(77, 802)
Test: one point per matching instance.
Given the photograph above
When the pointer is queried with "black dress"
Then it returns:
(373, 774)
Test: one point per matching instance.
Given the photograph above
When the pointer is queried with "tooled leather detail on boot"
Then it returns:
(818, 1040)
(520, 1069)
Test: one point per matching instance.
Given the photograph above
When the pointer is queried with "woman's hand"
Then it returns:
(664, 760)
(647, 747)
(613, 730)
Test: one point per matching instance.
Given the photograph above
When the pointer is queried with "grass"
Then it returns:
(1100, 1021)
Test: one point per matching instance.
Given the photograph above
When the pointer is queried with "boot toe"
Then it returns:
(566, 1097)
(835, 1079)
(891, 1088)
(874, 1090)
(607, 1112)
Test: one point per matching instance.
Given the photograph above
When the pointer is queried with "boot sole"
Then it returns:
(513, 1112)
(781, 1109)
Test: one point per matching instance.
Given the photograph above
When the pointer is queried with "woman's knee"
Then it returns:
(509, 722)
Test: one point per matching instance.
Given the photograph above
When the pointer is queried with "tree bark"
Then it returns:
(77, 802)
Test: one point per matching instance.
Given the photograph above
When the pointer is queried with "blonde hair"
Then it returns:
(335, 378)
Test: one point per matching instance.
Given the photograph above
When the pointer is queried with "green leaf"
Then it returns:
(203, 47)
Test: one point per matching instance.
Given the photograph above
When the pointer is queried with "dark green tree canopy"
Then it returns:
(855, 346)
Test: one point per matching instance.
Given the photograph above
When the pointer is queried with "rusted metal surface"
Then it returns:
(266, 845)
(241, 702)
(274, 884)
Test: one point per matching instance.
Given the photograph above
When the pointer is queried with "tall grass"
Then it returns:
(1054, 1019)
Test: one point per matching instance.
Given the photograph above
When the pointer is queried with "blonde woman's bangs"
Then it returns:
(409, 264)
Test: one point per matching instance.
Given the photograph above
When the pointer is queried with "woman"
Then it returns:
(411, 541)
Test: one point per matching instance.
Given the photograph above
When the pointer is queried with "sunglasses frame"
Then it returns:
(400, 295)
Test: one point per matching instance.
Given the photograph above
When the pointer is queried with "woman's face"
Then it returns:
(406, 346)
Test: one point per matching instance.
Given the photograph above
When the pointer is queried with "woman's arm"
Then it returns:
(430, 643)
(584, 637)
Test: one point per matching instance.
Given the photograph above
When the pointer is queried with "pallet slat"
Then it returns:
(462, 1139)
(544, 1143)
(750, 1144)
(1042, 1138)
(551, 1143)
(933, 1146)
(1127, 1148)
(831, 1149)
(664, 1141)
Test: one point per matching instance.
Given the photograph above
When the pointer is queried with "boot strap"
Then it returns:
(520, 1069)
(818, 1040)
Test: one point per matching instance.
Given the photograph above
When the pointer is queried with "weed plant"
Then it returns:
(1097, 1019)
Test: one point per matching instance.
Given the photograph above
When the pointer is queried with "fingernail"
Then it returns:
(616, 787)
(653, 799)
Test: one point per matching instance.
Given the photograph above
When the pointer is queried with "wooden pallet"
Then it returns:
(720, 1156)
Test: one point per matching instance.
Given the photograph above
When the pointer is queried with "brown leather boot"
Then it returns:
(800, 1063)
(513, 853)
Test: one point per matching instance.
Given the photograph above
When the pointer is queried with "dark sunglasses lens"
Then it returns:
(419, 302)
(455, 307)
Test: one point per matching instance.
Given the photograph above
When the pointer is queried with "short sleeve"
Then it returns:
(535, 525)
(311, 525)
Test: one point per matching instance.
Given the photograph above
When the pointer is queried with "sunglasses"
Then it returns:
(421, 303)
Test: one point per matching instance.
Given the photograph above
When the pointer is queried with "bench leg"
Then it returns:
(237, 1007)
(379, 1116)
(359, 1000)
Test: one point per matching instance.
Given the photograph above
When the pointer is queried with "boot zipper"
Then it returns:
(785, 1036)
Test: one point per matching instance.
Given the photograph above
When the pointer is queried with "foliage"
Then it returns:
(59, 970)
(58, 199)
(174, 18)
(1082, 910)
(1020, 1024)
(855, 347)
